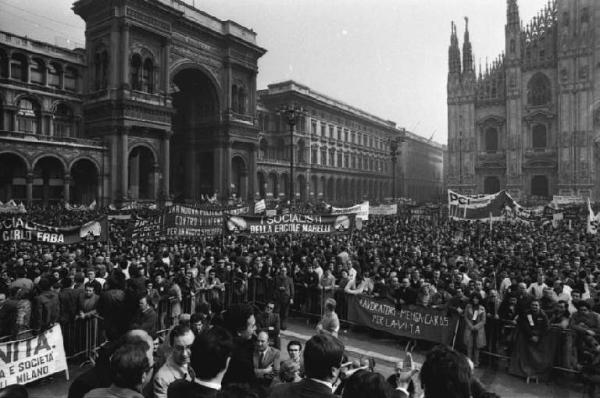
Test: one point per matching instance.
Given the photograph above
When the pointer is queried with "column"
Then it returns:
(67, 187)
(51, 125)
(134, 176)
(155, 180)
(114, 56)
(165, 66)
(166, 164)
(124, 162)
(253, 178)
(46, 80)
(29, 189)
(15, 126)
(125, 55)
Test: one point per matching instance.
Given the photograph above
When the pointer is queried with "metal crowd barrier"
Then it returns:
(82, 337)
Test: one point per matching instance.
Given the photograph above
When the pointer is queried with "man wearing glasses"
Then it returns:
(177, 365)
(270, 322)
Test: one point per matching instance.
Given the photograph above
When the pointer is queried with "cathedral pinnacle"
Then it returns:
(467, 50)
(453, 51)
(513, 21)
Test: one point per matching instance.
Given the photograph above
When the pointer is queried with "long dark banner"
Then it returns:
(182, 222)
(289, 223)
(411, 321)
(16, 229)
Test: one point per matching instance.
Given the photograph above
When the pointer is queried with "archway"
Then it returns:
(539, 186)
(285, 188)
(48, 181)
(314, 187)
(196, 105)
(84, 182)
(13, 173)
(141, 173)
(491, 184)
(239, 178)
(262, 185)
(330, 189)
(301, 188)
(273, 185)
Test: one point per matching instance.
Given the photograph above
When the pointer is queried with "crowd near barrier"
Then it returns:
(83, 336)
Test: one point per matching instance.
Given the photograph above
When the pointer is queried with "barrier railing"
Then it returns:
(83, 337)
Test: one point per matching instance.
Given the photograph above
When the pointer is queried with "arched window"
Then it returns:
(28, 116)
(539, 90)
(539, 186)
(332, 157)
(148, 76)
(491, 185)
(301, 149)
(63, 121)
(54, 75)
(538, 136)
(234, 98)
(135, 70)
(71, 79)
(491, 140)
(38, 71)
(101, 69)
(18, 67)
(3, 64)
(323, 156)
(242, 99)
(263, 149)
(512, 46)
(314, 154)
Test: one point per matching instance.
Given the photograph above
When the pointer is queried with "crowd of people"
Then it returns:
(518, 289)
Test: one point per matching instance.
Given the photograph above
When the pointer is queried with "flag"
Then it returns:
(260, 206)
(592, 221)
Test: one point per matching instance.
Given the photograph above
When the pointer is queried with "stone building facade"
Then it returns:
(528, 122)
(162, 104)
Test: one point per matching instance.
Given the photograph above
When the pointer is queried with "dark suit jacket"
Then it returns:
(303, 389)
(69, 304)
(145, 321)
(46, 310)
(188, 389)
(268, 321)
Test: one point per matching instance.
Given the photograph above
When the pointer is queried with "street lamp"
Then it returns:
(292, 114)
(394, 154)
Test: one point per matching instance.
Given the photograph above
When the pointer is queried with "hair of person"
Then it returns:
(14, 391)
(446, 373)
(128, 364)
(294, 342)
(44, 284)
(474, 296)
(363, 383)
(235, 319)
(198, 317)
(215, 344)
(288, 370)
(321, 353)
(330, 304)
(177, 331)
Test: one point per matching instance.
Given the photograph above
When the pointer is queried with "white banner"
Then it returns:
(384, 210)
(24, 361)
(361, 210)
(562, 200)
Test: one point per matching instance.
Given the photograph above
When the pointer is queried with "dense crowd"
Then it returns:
(517, 288)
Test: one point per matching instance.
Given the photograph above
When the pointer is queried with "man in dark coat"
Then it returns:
(46, 307)
(69, 298)
(283, 295)
(211, 355)
(323, 356)
(145, 317)
(268, 320)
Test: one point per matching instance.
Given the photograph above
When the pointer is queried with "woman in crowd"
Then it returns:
(474, 332)
(330, 322)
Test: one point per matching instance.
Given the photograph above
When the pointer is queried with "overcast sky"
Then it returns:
(387, 57)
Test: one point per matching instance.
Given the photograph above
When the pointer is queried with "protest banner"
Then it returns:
(24, 361)
(384, 210)
(289, 223)
(183, 221)
(19, 229)
(565, 200)
(479, 207)
(11, 207)
(361, 210)
(410, 321)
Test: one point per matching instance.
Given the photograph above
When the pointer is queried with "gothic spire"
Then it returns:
(513, 21)
(453, 51)
(467, 51)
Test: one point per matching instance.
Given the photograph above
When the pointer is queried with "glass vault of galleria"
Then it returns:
(529, 121)
(162, 103)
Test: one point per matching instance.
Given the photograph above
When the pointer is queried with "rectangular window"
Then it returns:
(331, 131)
(339, 159)
(313, 155)
(323, 130)
(323, 157)
(346, 135)
(313, 127)
(352, 138)
(347, 160)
